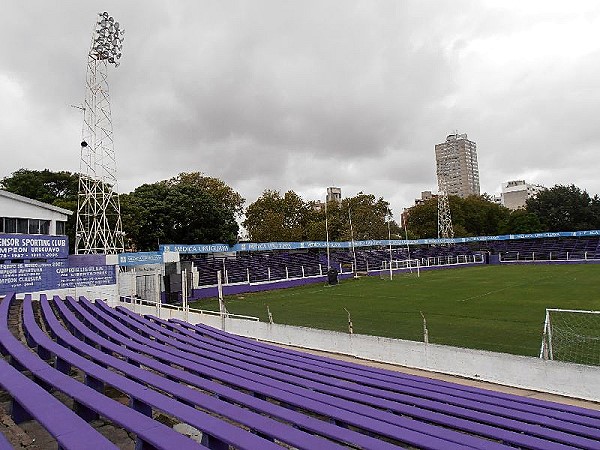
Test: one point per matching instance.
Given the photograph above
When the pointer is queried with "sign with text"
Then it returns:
(265, 246)
(195, 248)
(33, 246)
(33, 277)
(140, 258)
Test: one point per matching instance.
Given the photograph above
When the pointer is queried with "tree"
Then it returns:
(275, 218)
(521, 221)
(55, 188)
(175, 211)
(478, 215)
(43, 185)
(289, 218)
(565, 208)
(224, 195)
(370, 217)
(471, 216)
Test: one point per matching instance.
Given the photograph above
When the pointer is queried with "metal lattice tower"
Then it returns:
(445, 229)
(99, 228)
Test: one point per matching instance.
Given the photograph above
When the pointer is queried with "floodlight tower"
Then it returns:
(99, 228)
(445, 229)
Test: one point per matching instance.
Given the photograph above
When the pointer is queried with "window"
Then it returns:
(34, 226)
(1, 224)
(22, 226)
(61, 227)
(10, 225)
(44, 227)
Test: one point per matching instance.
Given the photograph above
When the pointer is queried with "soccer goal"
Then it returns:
(571, 336)
(399, 267)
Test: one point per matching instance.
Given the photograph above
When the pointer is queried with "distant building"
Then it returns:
(23, 215)
(317, 205)
(334, 194)
(425, 195)
(515, 193)
(456, 160)
(497, 199)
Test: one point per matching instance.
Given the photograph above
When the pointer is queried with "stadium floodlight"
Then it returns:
(99, 228)
(110, 35)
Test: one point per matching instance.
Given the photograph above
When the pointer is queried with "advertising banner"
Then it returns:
(265, 246)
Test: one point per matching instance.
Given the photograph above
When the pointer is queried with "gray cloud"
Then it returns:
(303, 95)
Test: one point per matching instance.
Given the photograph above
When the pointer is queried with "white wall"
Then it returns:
(13, 208)
(572, 380)
(107, 292)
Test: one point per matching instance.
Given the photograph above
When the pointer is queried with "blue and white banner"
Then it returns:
(33, 277)
(33, 246)
(140, 258)
(196, 248)
(265, 246)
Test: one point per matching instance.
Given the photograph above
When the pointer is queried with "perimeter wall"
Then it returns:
(571, 380)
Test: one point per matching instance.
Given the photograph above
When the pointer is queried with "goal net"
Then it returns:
(571, 336)
(389, 269)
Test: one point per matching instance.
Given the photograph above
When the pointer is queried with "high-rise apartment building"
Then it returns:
(456, 161)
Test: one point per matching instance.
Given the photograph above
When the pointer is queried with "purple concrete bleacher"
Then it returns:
(89, 402)
(523, 428)
(245, 394)
(31, 401)
(258, 266)
(4, 444)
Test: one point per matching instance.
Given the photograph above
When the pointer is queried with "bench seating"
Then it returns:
(246, 394)
(150, 434)
(541, 433)
(533, 424)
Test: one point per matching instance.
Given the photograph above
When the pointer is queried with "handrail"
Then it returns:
(137, 301)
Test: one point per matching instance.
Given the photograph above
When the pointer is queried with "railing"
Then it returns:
(137, 303)
(541, 256)
(452, 260)
(249, 275)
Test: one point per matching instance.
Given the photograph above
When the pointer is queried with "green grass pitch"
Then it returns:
(497, 308)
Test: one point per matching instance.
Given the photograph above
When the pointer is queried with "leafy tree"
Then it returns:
(175, 211)
(289, 218)
(43, 185)
(273, 217)
(471, 216)
(55, 188)
(566, 208)
(478, 216)
(224, 195)
(521, 221)
(370, 217)
(422, 220)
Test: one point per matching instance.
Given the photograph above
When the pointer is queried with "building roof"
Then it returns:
(33, 202)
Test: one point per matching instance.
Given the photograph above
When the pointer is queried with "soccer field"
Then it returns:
(497, 308)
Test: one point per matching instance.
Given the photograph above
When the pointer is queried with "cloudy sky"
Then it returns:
(308, 94)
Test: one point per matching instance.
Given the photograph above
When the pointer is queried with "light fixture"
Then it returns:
(108, 39)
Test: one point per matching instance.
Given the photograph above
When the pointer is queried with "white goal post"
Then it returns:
(405, 265)
(571, 335)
